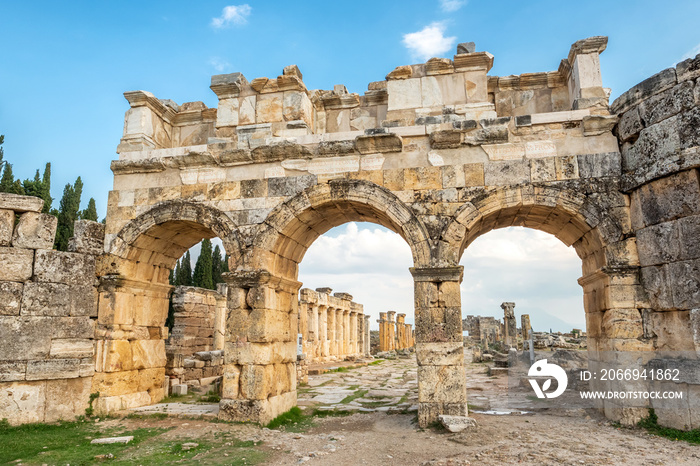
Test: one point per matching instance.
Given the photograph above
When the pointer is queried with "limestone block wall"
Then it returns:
(194, 349)
(48, 307)
(332, 326)
(659, 134)
(197, 311)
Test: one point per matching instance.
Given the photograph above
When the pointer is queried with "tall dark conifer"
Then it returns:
(202, 276)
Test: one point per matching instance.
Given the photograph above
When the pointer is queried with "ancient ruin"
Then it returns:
(438, 152)
(394, 333)
(332, 328)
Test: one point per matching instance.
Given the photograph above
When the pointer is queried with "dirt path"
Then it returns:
(373, 435)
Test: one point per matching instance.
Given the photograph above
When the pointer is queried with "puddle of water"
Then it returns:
(495, 412)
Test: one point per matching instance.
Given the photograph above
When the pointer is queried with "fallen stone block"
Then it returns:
(457, 423)
(179, 389)
(110, 440)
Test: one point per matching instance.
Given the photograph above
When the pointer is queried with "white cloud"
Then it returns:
(219, 64)
(233, 14)
(691, 53)
(449, 6)
(428, 42)
(530, 267)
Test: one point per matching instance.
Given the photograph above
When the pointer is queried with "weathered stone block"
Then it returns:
(685, 277)
(656, 283)
(116, 383)
(440, 354)
(20, 203)
(647, 88)
(64, 267)
(113, 356)
(72, 348)
(88, 237)
(666, 199)
(10, 298)
(666, 104)
(23, 402)
(630, 125)
(506, 173)
(12, 371)
(66, 399)
(16, 264)
(31, 337)
(622, 323)
(148, 353)
(599, 165)
(379, 143)
(55, 299)
(53, 369)
(7, 225)
(35, 231)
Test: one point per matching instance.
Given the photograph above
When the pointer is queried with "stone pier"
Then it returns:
(525, 326)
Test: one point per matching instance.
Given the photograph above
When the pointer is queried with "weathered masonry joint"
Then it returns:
(438, 152)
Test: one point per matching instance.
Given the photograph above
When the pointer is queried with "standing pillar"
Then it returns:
(346, 333)
(442, 382)
(338, 332)
(510, 331)
(383, 332)
(525, 326)
(401, 331)
(262, 320)
(332, 344)
(366, 335)
(323, 331)
(392, 330)
(353, 334)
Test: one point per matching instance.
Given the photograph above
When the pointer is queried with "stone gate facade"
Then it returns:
(440, 153)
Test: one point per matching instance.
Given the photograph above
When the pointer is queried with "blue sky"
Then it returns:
(65, 65)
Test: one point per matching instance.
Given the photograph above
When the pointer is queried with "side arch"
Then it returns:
(164, 233)
(573, 217)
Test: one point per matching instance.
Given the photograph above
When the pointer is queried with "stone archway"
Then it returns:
(134, 295)
(259, 380)
(614, 299)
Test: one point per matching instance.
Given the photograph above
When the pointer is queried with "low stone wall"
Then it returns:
(48, 309)
(195, 347)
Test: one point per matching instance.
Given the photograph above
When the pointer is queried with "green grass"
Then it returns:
(293, 416)
(355, 395)
(651, 424)
(64, 442)
(69, 443)
(331, 413)
(376, 363)
(340, 369)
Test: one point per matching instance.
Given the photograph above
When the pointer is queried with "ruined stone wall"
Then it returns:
(195, 346)
(194, 328)
(48, 309)
(659, 134)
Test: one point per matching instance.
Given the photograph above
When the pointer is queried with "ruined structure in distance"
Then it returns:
(440, 153)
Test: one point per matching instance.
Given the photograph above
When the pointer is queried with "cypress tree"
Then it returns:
(224, 266)
(68, 213)
(202, 277)
(8, 184)
(91, 212)
(186, 270)
(175, 274)
(216, 266)
(46, 189)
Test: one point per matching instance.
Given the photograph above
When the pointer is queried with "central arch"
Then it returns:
(261, 328)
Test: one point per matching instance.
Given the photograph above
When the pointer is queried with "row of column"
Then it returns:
(394, 334)
(333, 327)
